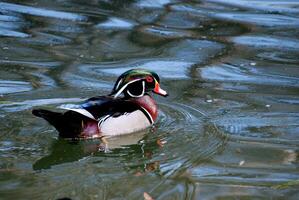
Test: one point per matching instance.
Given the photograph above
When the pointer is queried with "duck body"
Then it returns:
(109, 115)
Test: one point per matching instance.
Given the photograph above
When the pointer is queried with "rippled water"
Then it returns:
(229, 128)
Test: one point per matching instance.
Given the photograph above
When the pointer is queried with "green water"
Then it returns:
(229, 128)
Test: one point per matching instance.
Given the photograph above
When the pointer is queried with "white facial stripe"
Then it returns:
(143, 90)
(124, 87)
(119, 82)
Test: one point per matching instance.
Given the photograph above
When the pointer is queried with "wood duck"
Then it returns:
(128, 108)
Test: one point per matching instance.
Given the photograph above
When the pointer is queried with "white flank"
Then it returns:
(124, 124)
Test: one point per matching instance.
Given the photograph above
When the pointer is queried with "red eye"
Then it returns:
(149, 79)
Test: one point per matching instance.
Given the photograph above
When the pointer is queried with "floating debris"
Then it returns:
(242, 162)
(147, 196)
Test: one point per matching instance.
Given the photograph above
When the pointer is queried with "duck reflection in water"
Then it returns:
(133, 146)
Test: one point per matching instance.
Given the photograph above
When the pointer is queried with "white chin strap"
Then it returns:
(143, 90)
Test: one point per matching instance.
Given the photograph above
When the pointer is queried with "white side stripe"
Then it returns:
(102, 119)
(81, 111)
(150, 116)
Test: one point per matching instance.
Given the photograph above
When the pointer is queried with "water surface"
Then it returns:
(229, 128)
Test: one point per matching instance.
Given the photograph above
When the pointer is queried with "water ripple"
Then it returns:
(259, 19)
(286, 6)
(177, 123)
(41, 12)
(7, 86)
(116, 23)
(28, 104)
(235, 60)
(153, 3)
(177, 70)
(13, 33)
(231, 73)
(270, 20)
(281, 43)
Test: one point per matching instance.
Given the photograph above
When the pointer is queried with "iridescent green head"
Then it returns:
(137, 82)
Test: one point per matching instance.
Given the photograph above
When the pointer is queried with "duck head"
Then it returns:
(136, 83)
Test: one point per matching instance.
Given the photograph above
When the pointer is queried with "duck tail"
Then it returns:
(54, 118)
(46, 114)
(67, 124)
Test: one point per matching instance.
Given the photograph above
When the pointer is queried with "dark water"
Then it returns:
(229, 129)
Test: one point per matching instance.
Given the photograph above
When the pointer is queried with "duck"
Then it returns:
(128, 108)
